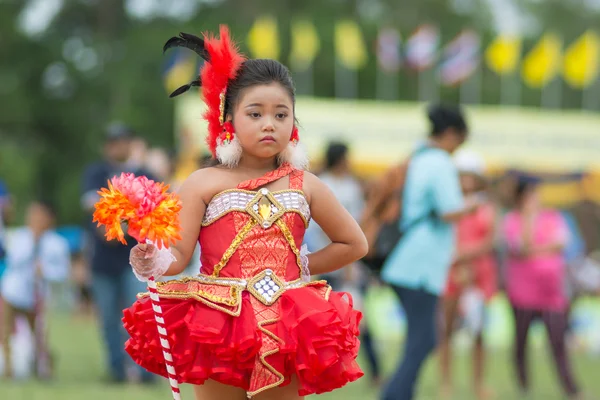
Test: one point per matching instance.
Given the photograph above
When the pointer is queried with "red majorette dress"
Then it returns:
(248, 319)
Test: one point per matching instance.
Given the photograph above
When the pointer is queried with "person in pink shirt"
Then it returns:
(535, 280)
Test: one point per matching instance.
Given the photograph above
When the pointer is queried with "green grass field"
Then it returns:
(80, 370)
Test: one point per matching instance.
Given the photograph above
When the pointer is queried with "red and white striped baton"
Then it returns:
(164, 340)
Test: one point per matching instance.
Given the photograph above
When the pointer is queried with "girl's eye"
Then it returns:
(281, 115)
(254, 115)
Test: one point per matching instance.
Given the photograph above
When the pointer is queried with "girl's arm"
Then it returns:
(519, 237)
(56, 261)
(348, 243)
(559, 239)
(527, 248)
(380, 193)
(485, 247)
(470, 254)
(529, 219)
(192, 193)
(444, 184)
(550, 248)
(192, 212)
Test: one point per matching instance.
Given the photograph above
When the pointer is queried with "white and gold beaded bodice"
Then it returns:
(263, 205)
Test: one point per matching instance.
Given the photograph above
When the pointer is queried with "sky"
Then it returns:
(507, 16)
(38, 15)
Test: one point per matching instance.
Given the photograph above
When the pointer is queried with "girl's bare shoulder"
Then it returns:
(312, 184)
(207, 182)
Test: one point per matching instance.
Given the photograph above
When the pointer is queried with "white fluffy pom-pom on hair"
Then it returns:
(229, 152)
(295, 154)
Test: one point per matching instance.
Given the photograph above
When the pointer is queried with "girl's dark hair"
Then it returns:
(47, 205)
(255, 72)
(443, 117)
(206, 161)
(522, 188)
(336, 152)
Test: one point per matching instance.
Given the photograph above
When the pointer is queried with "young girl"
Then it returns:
(251, 324)
(36, 256)
(473, 273)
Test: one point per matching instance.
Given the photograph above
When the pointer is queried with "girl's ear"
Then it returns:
(228, 118)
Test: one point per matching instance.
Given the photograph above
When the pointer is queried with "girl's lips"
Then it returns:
(268, 139)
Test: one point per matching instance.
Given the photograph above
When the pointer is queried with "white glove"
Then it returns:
(305, 274)
(147, 260)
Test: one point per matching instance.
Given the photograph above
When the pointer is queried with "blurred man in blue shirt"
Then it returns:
(114, 287)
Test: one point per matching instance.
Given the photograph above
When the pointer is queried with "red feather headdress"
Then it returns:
(223, 61)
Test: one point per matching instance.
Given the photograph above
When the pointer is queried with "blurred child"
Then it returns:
(36, 255)
(5, 207)
(472, 278)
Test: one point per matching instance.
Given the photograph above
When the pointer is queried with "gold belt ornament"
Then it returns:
(265, 286)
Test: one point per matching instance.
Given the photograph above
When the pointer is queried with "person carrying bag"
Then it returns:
(421, 199)
(381, 218)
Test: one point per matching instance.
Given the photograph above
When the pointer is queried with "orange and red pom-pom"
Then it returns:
(151, 212)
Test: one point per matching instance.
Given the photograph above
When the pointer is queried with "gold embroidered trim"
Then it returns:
(240, 283)
(239, 209)
(267, 354)
(230, 301)
(204, 279)
(236, 293)
(290, 239)
(222, 107)
(328, 292)
(233, 247)
(295, 210)
(186, 296)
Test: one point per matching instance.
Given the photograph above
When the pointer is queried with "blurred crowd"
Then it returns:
(463, 238)
(458, 239)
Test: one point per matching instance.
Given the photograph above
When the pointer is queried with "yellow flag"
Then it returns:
(543, 62)
(350, 46)
(263, 38)
(582, 60)
(503, 54)
(305, 44)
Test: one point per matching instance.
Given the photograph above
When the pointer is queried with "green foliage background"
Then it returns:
(48, 135)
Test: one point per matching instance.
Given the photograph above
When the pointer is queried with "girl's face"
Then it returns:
(39, 219)
(531, 199)
(263, 120)
(469, 182)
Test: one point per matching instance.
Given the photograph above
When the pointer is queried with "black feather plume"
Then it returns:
(189, 41)
(185, 88)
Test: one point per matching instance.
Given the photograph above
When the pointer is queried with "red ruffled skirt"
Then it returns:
(316, 339)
